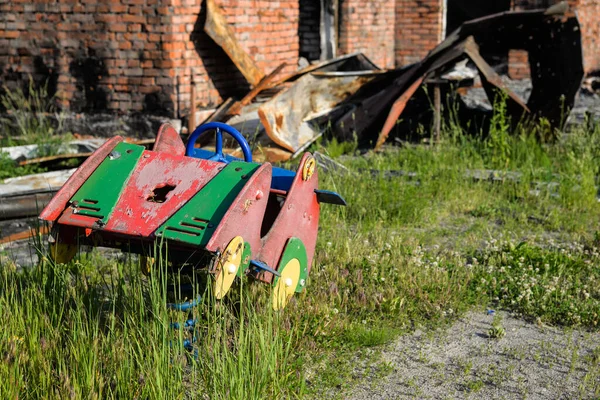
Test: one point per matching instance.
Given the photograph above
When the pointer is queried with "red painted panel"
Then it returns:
(72, 219)
(169, 141)
(299, 217)
(244, 217)
(59, 202)
(137, 212)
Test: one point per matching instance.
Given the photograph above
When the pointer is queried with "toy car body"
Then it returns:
(211, 210)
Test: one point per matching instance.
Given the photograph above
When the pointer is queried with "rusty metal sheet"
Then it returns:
(287, 117)
(219, 30)
(236, 109)
(25, 205)
(349, 62)
(544, 34)
(488, 76)
(48, 181)
(347, 73)
(396, 110)
(272, 154)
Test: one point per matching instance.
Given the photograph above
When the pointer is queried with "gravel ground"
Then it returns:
(20, 253)
(530, 361)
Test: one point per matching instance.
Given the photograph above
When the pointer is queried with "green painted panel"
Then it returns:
(197, 220)
(99, 194)
(246, 256)
(295, 249)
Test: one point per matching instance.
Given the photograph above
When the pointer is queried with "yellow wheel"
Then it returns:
(309, 168)
(227, 266)
(146, 264)
(286, 284)
(62, 253)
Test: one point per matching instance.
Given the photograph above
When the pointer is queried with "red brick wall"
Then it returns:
(588, 12)
(141, 55)
(267, 30)
(137, 55)
(97, 56)
(518, 64)
(368, 26)
(418, 29)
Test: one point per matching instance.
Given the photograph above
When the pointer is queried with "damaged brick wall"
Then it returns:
(124, 56)
(139, 55)
(368, 26)
(98, 57)
(419, 29)
(267, 30)
(588, 12)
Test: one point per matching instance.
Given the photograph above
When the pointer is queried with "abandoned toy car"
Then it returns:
(209, 209)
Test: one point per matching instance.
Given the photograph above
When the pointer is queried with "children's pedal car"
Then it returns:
(212, 210)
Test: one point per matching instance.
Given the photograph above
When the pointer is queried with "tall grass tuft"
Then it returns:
(32, 118)
(95, 328)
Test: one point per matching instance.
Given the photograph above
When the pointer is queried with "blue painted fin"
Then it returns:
(325, 196)
(261, 266)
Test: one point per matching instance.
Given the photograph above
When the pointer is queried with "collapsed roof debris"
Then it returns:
(543, 33)
(289, 117)
(353, 98)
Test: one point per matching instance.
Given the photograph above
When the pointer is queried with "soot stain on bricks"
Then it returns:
(89, 71)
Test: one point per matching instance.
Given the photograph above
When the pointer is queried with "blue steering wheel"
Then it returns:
(190, 151)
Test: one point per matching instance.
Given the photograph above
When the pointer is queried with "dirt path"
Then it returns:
(530, 361)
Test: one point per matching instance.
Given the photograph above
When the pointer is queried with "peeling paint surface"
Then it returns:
(136, 214)
(299, 217)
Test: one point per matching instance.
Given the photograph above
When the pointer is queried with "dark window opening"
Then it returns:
(317, 29)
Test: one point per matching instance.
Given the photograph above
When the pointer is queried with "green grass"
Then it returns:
(31, 117)
(410, 251)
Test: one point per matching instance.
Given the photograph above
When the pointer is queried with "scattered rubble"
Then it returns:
(350, 98)
(353, 99)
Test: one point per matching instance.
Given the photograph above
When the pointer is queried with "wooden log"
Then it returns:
(219, 30)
